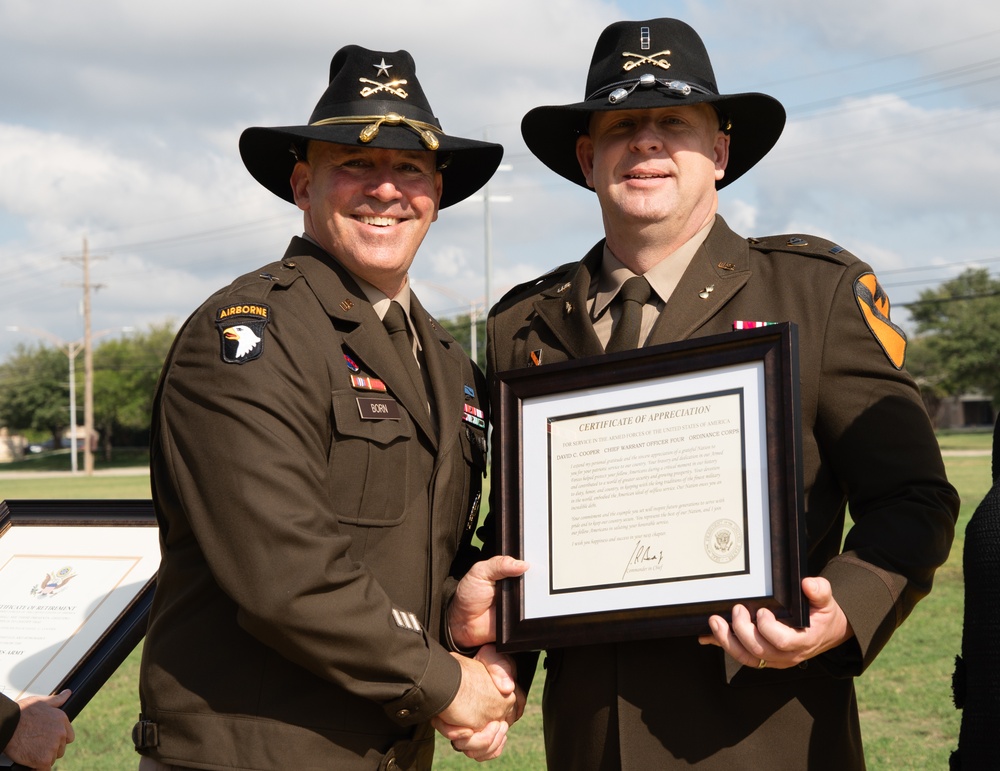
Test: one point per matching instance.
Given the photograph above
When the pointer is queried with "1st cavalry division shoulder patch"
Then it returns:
(241, 331)
(874, 305)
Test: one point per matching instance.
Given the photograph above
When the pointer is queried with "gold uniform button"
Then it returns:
(403, 713)
(391, 765)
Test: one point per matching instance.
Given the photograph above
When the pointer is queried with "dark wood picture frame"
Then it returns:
(775, 347)
(118, 640)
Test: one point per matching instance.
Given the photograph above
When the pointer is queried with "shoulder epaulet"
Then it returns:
(242, 311)
(798, 243)
(536, 284)
(260, 282)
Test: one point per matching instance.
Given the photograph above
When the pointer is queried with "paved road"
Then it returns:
(132, 471)
(135, 471)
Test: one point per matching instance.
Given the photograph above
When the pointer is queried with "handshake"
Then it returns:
(489, 700)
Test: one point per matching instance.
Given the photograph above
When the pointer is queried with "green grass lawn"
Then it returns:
(908, 718)
(60, 460)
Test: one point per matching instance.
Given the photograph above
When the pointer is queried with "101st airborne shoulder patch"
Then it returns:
(241, 331)
(874, 305)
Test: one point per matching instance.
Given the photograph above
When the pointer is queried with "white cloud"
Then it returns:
(120, 122)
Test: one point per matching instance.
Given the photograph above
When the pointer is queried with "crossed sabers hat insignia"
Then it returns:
(393, 87)
(642, 59)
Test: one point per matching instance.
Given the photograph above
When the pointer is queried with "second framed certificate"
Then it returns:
(76, 585)
(651, 489)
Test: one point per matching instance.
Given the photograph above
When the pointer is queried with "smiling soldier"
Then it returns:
(318, 448)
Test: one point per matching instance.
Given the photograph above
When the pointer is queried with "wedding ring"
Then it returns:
(762, 664)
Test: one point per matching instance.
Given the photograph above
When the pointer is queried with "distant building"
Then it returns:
(12, 446)
(972, 410)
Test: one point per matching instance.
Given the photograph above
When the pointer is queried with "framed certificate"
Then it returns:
(76, 584)
(651, 489)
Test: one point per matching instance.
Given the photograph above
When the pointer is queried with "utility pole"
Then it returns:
(488, 228)
(487, 236)
(88, 362)
(473, 313)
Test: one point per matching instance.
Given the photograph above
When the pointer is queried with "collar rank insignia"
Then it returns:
(874, 305)
(351, 364)
(474, 416)
(368, 384)
(241, 331)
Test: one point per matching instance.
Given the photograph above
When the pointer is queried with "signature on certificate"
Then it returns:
(643, 554)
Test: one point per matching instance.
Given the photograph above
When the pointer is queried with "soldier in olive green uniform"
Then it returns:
(655, 144)
(316, 486)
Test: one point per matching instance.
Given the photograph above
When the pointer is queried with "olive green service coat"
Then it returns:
(867, 441)
(309, 544)
(10, 714)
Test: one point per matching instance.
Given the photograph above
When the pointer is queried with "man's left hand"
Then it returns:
(773, 642)
(472, 612)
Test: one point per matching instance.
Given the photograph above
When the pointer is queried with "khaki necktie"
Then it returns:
(395, 325)
(633, 295)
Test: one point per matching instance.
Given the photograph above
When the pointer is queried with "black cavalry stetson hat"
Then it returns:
(645, 65)
(374, 99)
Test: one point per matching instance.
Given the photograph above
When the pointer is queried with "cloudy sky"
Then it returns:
(119, 124)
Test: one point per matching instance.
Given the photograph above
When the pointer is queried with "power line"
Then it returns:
(903, 85)
(835, 103)
(936, 267)
(953, 298)
(880, 60)
(935, 124)
(203, 235)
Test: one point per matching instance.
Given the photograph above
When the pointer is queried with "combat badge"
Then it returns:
(874, 305)
(241, 331)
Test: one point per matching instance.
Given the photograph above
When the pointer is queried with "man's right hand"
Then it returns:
(487, 703)
(42, 732)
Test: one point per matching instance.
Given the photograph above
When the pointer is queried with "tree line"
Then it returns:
(34, 388)
(955, 350)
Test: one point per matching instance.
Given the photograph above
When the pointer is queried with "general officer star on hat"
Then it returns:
(374, 99)
(649, 64)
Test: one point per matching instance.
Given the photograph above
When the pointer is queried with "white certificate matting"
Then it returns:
(61, 588)
(647, 494)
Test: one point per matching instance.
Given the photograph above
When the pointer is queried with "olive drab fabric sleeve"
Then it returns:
(10, 715)
(311, 521)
